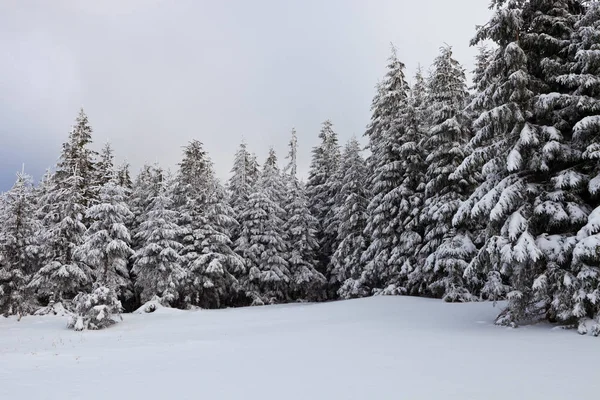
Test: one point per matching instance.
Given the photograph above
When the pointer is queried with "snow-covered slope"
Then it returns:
(374, 348)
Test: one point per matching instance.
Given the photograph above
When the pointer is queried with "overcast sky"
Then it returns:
(153, 74)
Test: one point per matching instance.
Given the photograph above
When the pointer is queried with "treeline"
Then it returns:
(488, 192)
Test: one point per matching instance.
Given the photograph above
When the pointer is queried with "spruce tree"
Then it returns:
(445, 252)
(77, 156)
(124, 176)
(396, 164)
(157, 266)
(214, 272)
(581, 297)
(242, 179)
(272, 182)
(106, 246)
(105, 168)
(106, 250)
(147, 185)
(321, 188)
(261, 244)
(346, 266)
(194, 175)
(194, 182)
(19, 246)
(300, 234)
(62, 276)
(522, 146)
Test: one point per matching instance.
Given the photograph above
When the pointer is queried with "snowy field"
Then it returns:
(374, 348)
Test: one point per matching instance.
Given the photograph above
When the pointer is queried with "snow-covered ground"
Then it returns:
(374, 348)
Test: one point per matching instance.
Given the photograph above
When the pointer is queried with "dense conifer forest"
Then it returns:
(488, 191)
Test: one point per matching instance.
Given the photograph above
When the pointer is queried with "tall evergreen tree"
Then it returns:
(62, 275)
(322, 187)
(216, 268)
(157, 264)
(242, 180)
(77, 156)
(300, 229)
(19, 247)
(272, 182)
(581, 297)
(346, 267)
(521, 145)
(105, 168)
(300, 233)
(106, 246)
(208, 260)
(394, 134)
(193, 180)
(444, 253)
(147, 185)
(261, 244)
(124, 176)
(191, 188)
(415, 121)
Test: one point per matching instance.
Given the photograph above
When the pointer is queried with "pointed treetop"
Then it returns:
(271, 160)
(292, 166)
(326, 130)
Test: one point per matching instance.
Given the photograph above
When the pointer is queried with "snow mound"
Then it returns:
(155, 305)
(149, 307)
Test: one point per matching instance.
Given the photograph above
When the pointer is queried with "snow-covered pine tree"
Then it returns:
(194, 175)
(191, 186)
(19, 247)
(300, 233)
(67, 195)
(346, 266)
(77, 156)
(478, 103)
(300, 229)
(124, 176)
(321, 188)
(106, 246)
(445, 252)
(262, 246)
(157, 266)
(62, 276)
(194, 182)
(105, 168)
(240, 183)
(396, 163)
(106, 250)
(480, 79)
(272, 182)
(96, 310)
(521, 145)
(414, 121)
(581, 297)
(214, 272)
(147, 185)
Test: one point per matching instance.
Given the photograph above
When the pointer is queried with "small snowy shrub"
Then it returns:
(97, 310)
